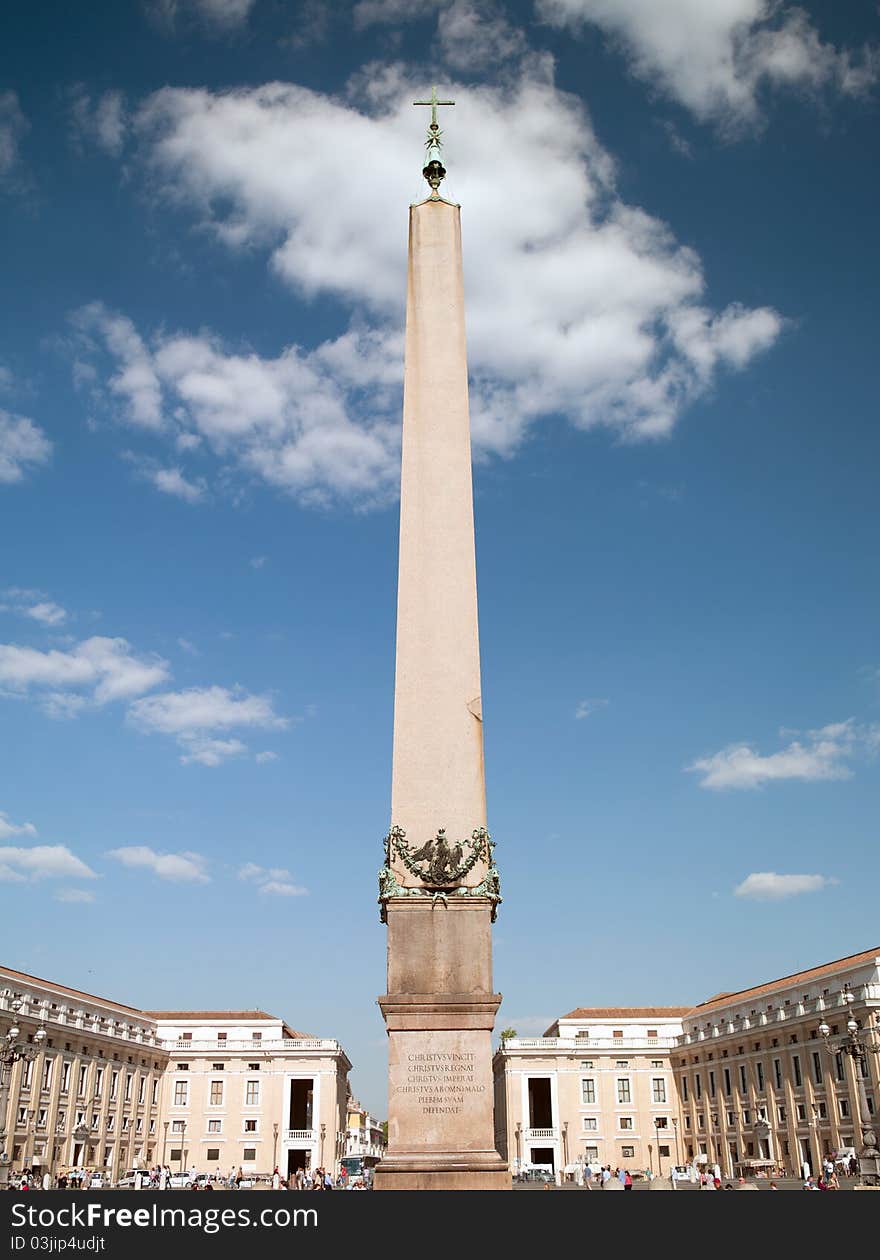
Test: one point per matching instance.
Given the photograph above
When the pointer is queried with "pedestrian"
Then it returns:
(627, 1180)
(276, 1179)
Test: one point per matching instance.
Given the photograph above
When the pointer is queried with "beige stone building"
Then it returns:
(744, 1080)
(758, 1086)
(364, 1134)
(113, 1087)
(242, 1089)
(597, 1088)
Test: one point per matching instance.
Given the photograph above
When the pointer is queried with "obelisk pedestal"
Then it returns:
(439, 887)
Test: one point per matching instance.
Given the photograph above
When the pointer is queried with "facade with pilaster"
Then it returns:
(113, 1088)
(758, 1086)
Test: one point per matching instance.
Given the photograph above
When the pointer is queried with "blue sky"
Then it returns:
(669, 221)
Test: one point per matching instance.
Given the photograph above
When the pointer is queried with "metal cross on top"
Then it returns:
(433, 102)
(434, 169)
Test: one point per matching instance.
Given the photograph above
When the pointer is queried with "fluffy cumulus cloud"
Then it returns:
(273, 881)
(768, 886)
(578, 303)
(33, 604)
(42, 861)
(23, 446)
(195, 716)
(13, 125)
(471, 34)
(176, 867)
(816, 755)
(716, 57)
(95, 671)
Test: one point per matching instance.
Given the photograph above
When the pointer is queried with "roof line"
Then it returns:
(81, 993)
(863, 956)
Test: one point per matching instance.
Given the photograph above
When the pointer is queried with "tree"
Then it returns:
(507, 1033)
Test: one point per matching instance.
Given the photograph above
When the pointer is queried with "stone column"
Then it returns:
(438, 887)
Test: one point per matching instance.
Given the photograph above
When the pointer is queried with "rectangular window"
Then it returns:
(652, 1032)
(213, 1152)
(701, 1122)
(687, 1122)
(249, 1154)
(684, 1089)
(590, 1122)
(114, 1085)
(183, 1067)
(111, 1120)
(796, 1068)
(658, 1087)
(99, 1081)
(250, 1126)
(591, 1154)
(252, 1093)
(81, 1082)
(817, 1067)
(253, 1067)
(626, 1122)
(843, 1105)
(661, 1122)
(655, 1063)
(181, 1093)
(623, 1090)
(217, 1067)
(801, 1111)
(65, 1076)
(711, 1084)
(727, 1082)
(663, 1150)
(618, 1032)
(759, 1073)
(142, 1089)
(586, 1065)
(622, 1063)
(627, 1152)
(155, 1092)
(588, 1091)
(221, 1037)
(215, 1126)
(256, 1036)
(731, 1119)
(780, 1111)
(698, 1085)
(777, 1073)
(186, 1036)
(747, 1117)
(128, 1080)
(177, 1126)
(838, 1067)
(216, 1093)
(743, 1079)
(47, 1072)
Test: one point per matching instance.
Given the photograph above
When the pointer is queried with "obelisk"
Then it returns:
(439, 887)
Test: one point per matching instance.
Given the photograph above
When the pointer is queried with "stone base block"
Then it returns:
(475, 1170)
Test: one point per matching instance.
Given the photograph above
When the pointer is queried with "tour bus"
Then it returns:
(359, 1168)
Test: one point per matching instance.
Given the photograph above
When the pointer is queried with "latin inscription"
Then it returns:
(442, 1081)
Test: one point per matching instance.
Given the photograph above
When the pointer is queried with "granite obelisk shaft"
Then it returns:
(440, 1006)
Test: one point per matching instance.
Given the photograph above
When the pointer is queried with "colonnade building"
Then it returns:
(745, 1079)
(112, 1087)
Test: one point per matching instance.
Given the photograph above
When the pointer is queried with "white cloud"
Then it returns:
(172, 481)
(204, 751)
(43, 861)
(135, 382)
(257, 562)
(819, 755)
(717, 57)
(47, 612)
(9, 828)
(262, 758)
(272, 881)
(577, 302)
(193, 716)
(188, 647)
(768, 886)
(22, 445)
(74, 895)
(106, 669)
(103, 122)
(13, 125)
(178, 867)
(586, 708)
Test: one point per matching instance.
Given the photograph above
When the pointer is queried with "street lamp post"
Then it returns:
(164, 1140)
(13, 1051)
(323, 1135)
(857, 1048)
(657, 1136)
(274, 1146)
